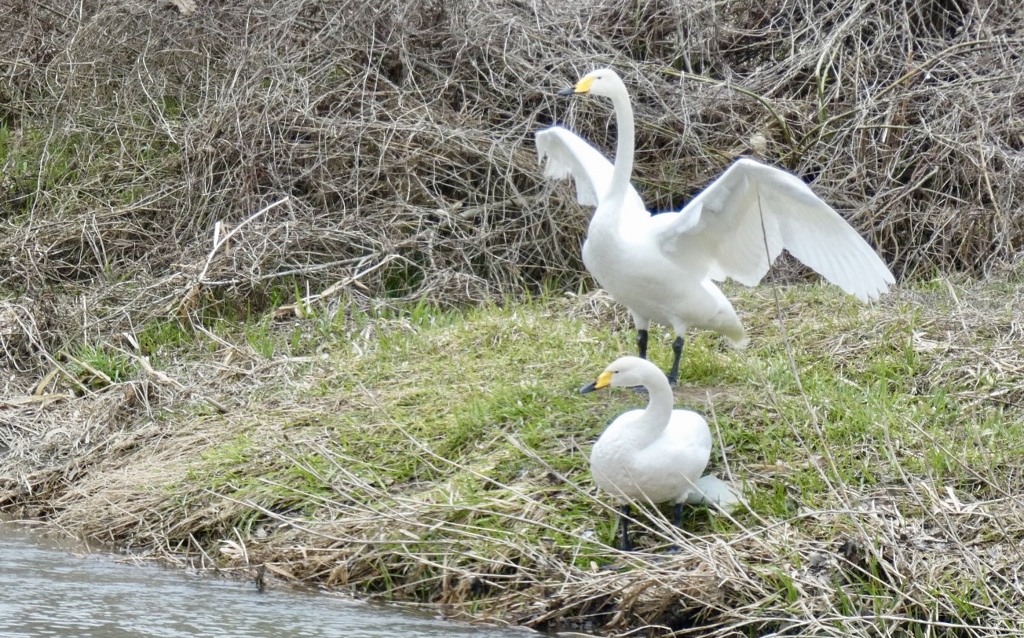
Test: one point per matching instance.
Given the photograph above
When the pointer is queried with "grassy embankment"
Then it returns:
(442, 457)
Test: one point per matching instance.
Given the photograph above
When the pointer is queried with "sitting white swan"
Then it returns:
(656, 454)
(663, 267)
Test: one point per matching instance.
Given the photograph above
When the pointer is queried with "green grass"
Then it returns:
(98, 366)
(460, 383)
(446, 442)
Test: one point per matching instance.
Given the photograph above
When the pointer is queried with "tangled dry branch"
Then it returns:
(400, 135)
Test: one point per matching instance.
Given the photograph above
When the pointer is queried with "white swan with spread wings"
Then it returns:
(664, 267)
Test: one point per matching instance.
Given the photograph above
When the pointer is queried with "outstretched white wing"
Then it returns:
(568, 155)
(751, 207)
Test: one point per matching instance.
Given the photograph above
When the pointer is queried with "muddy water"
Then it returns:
(49, 588)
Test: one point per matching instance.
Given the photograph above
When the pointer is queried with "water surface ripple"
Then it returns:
(48, 589)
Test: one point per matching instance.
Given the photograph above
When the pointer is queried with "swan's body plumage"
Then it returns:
(657, 454)
(642, 456)
(664, 267)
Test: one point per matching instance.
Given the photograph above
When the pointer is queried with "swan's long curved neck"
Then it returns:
(660, 405)
(624, 149)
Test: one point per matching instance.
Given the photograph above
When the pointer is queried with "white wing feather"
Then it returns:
(722, 227)
(568, 155)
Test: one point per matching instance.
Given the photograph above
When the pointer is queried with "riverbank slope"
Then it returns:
(441, 457)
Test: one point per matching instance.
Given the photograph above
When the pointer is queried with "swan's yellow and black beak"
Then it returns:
(583, 86)
(603, 381)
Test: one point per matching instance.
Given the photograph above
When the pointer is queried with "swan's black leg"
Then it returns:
(677, 520)
(624, 513)
(677, 350)
(641, 343)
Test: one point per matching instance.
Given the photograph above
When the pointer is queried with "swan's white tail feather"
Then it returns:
(711, 489)
(740, 343)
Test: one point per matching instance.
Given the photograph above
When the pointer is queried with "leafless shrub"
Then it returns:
(400, 135)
